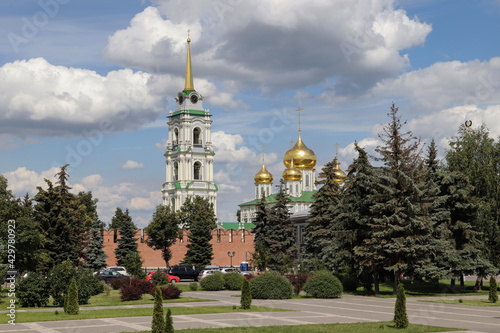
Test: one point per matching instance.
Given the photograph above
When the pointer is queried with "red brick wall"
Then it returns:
(227, 241)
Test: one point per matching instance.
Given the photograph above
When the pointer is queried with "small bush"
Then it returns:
(33, 290)
(169, 323)
(233, 281)
(130, 293)
(212, 282)
(119, 283)
(193, 286)
(144, 286)
(159, 278)
(271, 285)
(246, 296)
(400, 315)
(158, 324)
(71, 299)
(323, 285)
(297, 281)
(493, 294)
(88, 286)
(170, 292)
(107, 288)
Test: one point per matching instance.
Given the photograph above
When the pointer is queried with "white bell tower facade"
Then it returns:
(189, 152)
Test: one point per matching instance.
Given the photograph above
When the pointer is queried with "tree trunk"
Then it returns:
(452, 282)
(376, 282)
(462, 281)
(396, 283)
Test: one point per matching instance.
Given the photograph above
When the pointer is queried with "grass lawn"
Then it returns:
(379, 327)
(33, 316)
(475, 302)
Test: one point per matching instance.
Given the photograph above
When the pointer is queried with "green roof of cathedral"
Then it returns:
(236, 225)
(195, 112)
(307, 196)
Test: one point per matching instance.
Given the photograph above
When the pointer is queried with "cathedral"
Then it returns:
(189, 152)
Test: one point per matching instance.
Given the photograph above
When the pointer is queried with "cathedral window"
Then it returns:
(307, 180)
(197, 136)
(176, 136)
(176, 171)
(197, 170)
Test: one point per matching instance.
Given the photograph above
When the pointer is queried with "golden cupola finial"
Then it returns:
(189, 72)
(292, 173)
(302, 156)
(339, 175)
(263, 176)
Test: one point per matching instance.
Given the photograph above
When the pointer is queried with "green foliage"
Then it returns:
(71, 299)
(350, 283)
(297, 280)
(133, 264)
(95, 257)
(127, 243)
(33, 290)
(246, 295)
(400, 315)
(213, 282)
(271, 285)
(198, 214)
(260, 257)
(88, 286)
(169, 323)
(233, 281)
(163, 230)
(493, 294)
(323, 284)
(59, 279)
(158, 323)
(159, 278)
(193, 286)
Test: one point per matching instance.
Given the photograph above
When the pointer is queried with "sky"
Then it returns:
(90, 83)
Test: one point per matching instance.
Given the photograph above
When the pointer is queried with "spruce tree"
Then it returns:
(198, 215)
(95, 257)
(127, 242)
(246, 296)
(260, 256)
(158, 323)
(400, 315)
(169, 323)
(71, 299)
(493, 294)
(162, 231)
(133, 264)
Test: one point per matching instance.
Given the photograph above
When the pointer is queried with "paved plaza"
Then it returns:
(348, 309)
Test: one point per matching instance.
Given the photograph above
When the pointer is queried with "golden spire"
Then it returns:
(302, 156)
(263, 176)
(189, 73)
(292, 173)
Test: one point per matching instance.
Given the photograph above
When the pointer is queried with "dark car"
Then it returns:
(185, 272)
(106, 276)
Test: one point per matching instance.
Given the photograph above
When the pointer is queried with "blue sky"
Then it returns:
(91, 83)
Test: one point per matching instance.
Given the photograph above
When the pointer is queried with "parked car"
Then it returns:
(229, 270)
(184, 272)
(207, 272)
(109, 275)
(171, 278)
(119, 269)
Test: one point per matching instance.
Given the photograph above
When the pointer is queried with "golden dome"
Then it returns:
(340, 175)
(292, 173)
(263, 176)
(303, 157)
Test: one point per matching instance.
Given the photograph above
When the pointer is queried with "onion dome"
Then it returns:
(263, 176)
(303, 157)
(292, 173)
(340, 175)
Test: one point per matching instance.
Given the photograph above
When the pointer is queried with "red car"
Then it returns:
(171, 278)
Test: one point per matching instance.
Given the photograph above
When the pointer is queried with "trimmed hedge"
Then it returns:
(214, 282)
(233, 281)
(323, 285)
(271, 285)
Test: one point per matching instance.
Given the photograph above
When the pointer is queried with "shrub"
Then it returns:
(212, 282)
(130, 293)
(169, 323)
(323, 285)
(59, 280)
(119, 283)
(159, 278)
(193, 286)
(271, 285)
(144, 286)
(88, 286)
(246, 296)
(158, 323)
(297, 281)
(400, 316)
(71, 299)
(493, 294)
(33, 290)
(233, 281)
(170, 292)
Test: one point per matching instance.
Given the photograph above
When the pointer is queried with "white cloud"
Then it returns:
(132, 165)
(22, 180)
(146, 203)
(40, 99)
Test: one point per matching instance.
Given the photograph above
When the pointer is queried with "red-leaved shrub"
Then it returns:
(144, 286)
(297, 280)
(130, 293)
(119, 283)
(170, 292)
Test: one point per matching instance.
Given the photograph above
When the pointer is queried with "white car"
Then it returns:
(207, 272)
(119, 269)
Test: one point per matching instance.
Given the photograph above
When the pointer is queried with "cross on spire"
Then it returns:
(263, 146)
(337, 149)
(298, 110)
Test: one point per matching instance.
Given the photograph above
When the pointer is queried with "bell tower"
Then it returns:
(189, 152)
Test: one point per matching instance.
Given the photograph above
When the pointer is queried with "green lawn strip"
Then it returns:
(34, 316)
(475, 302)
(377, 327)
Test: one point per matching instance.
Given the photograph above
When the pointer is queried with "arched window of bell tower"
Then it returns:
(176, 171)
(197, 136)
(197, 170)
(176, 136)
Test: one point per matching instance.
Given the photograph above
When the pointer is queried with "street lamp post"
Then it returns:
(231, 255)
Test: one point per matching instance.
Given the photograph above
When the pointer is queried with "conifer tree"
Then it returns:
(163, 230)
(158, 323)
(246, 295)
(169, 323)
(71, 299)
(400, 315)
(199, 217)
(260, 256)
(133, 264)
(127, 242)
(493, 294)
(95, 257)
(281, 237)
